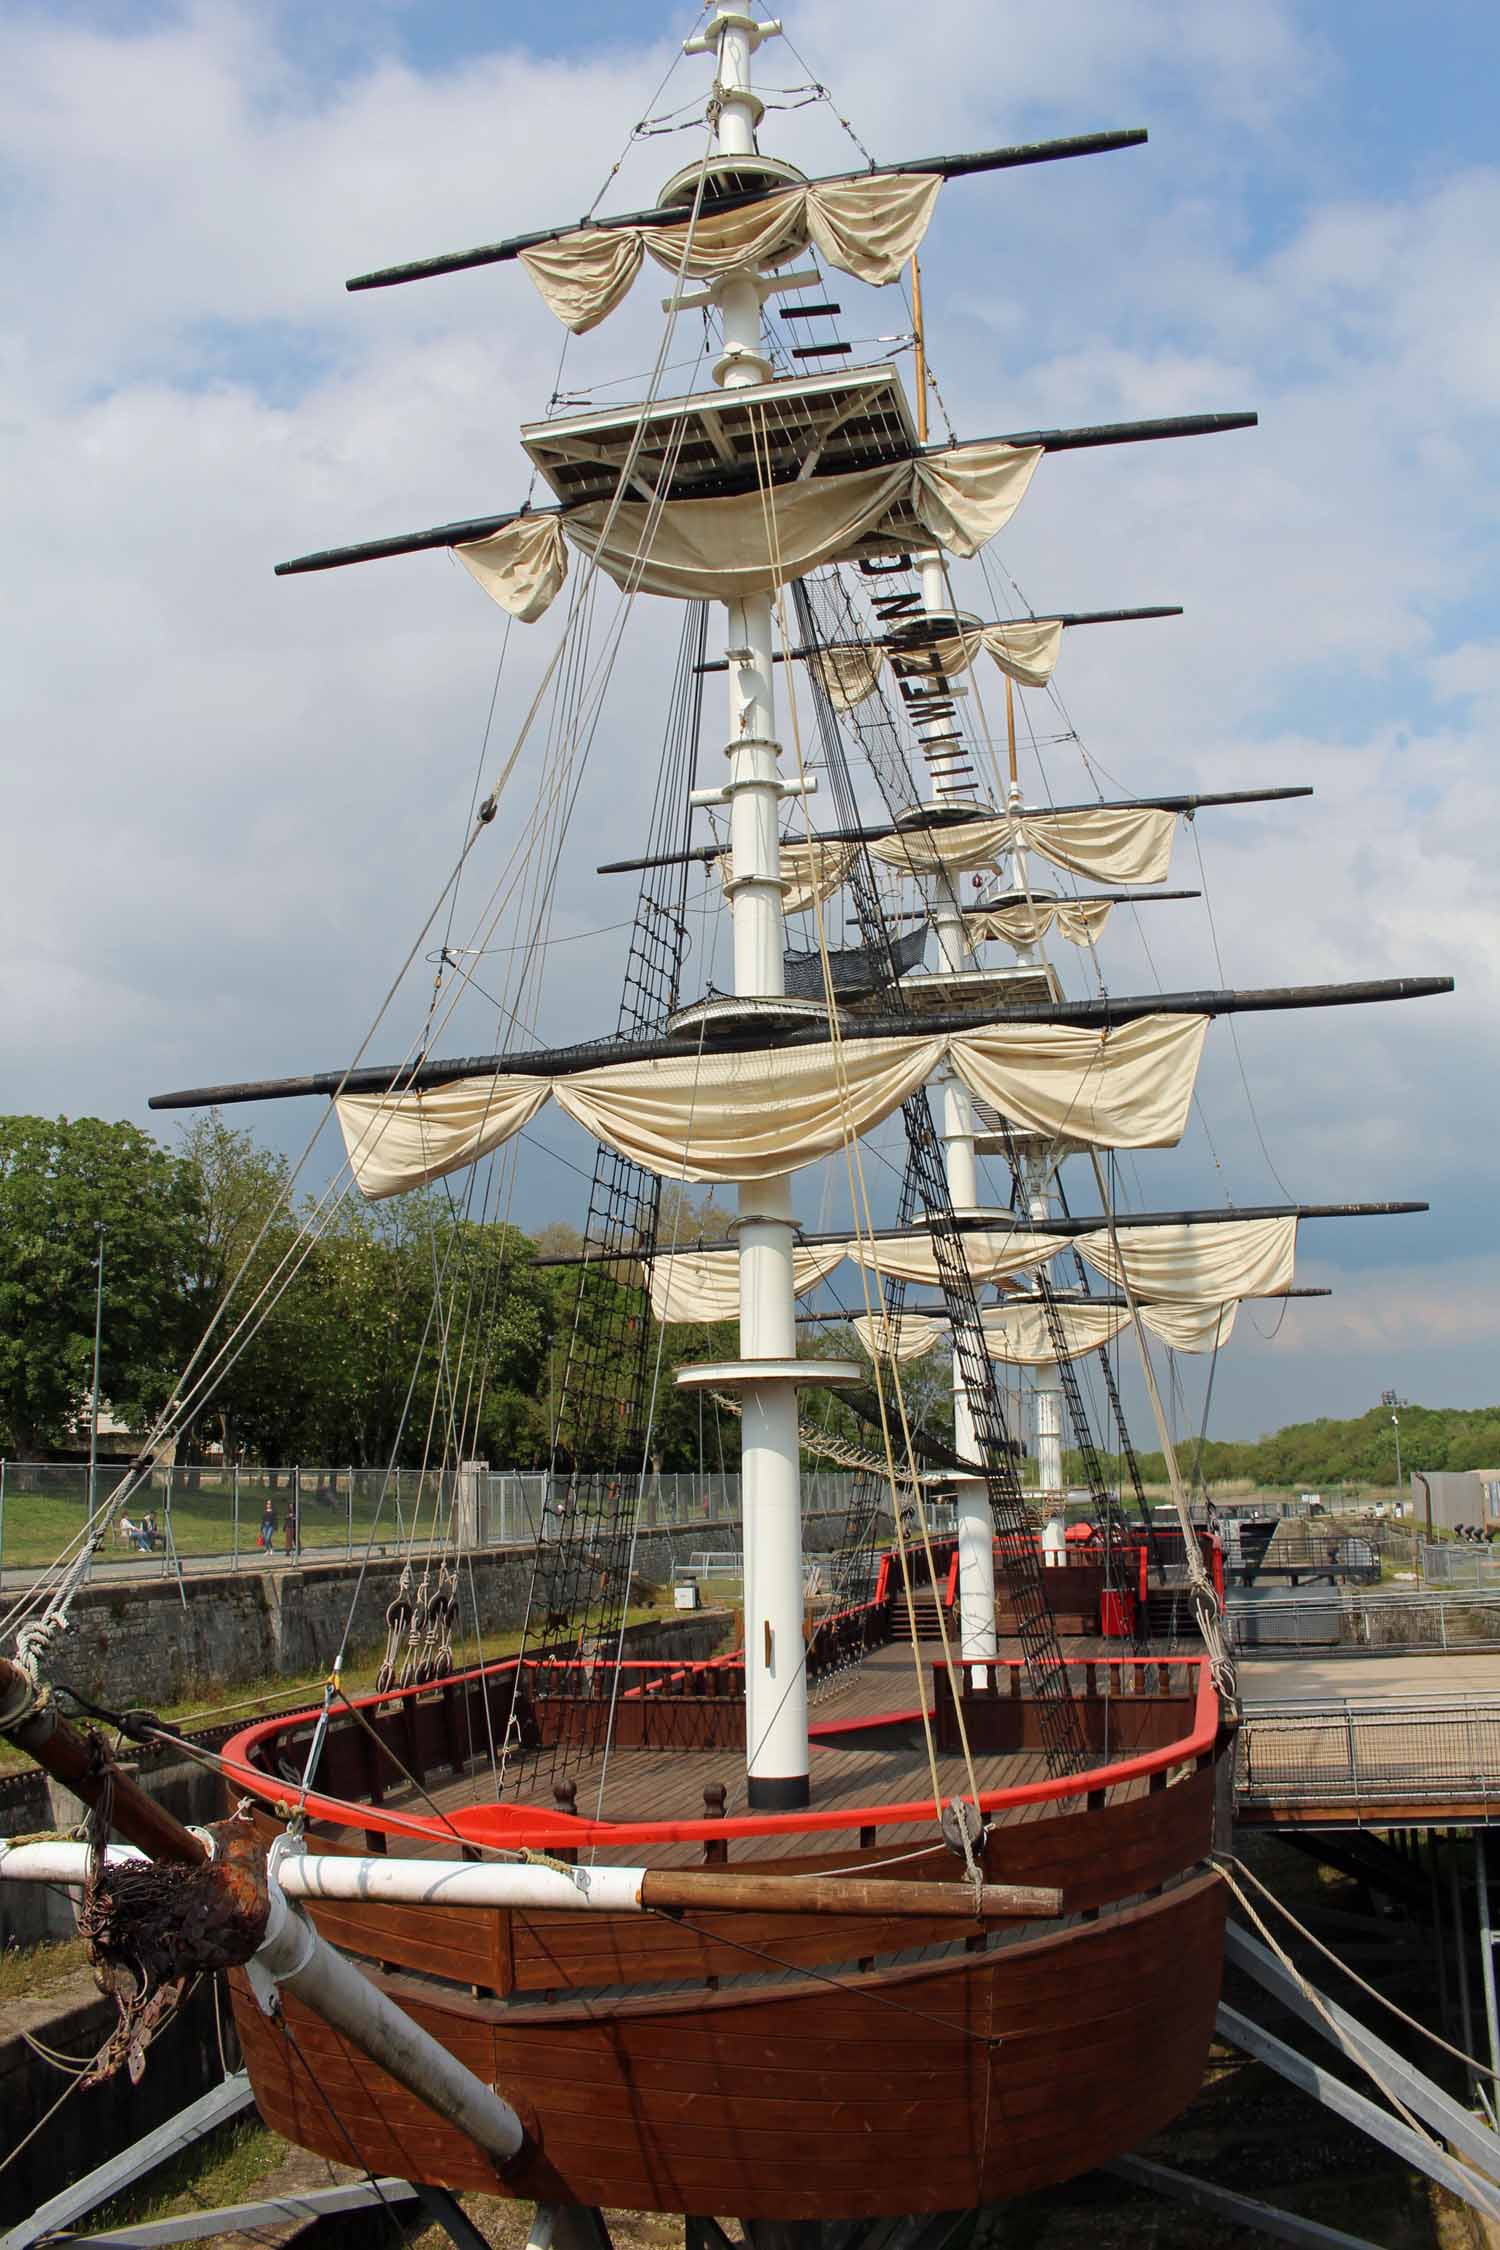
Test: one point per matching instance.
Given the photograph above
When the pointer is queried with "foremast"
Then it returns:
(767, 1375)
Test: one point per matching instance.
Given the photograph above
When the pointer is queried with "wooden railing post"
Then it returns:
(565, 1795)
(716, 1849)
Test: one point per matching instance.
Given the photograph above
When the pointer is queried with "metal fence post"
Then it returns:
(1465, 2015)
(296, 1555)
(349, 1519)
(234, 1537)
(1487, 1953)
(2, 1518)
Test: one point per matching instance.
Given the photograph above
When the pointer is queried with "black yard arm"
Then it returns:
(663, 215)
(720, 483)
(567, 1062)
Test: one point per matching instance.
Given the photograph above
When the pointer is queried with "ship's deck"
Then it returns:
(629, 1784)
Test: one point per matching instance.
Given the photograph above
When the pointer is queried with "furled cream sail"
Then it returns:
(897, 1336)
(727, 548)
(1179, 1288)
(718, 1117)
(1198, 1265)
(1026, 648)
(705, 1285)
(522, 566)
(1019, 1333)
(734, 545)
(848, 671)
(1106, 843)
(809, 872)
(865, 227)
(1028, 921)
(1191, 1328)
(989, 1257)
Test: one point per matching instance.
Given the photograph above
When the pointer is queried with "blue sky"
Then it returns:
(232, 793)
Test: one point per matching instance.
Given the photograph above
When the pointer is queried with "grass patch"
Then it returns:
(205, 1520)
(28, 1971)
(224, 2167)
(249, 1700)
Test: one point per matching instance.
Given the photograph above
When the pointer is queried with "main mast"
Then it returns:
(767, 1374)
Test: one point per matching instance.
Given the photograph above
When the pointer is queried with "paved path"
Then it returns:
(1369, 1679)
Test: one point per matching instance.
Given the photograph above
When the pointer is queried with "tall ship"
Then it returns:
(906, 1902)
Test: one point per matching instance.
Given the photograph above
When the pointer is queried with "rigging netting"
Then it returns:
(925, 1193)
(580, 1582)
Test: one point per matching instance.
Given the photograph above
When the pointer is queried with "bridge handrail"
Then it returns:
(1338, 1749)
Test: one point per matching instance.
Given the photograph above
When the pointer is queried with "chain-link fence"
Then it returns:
(1461, 1564)
(1422, 1752)
(223, 1518)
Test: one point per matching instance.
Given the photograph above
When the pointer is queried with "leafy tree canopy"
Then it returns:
(1310, 1456)
(61, 1181)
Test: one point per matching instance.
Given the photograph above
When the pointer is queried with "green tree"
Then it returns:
(62, 1179)
(244, 1231)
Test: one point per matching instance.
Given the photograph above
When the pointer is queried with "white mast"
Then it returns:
(775, 1669)
(1039, 1170)
(1047, 1394)
(976, 1522)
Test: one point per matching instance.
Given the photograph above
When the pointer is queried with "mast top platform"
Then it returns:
(994, 1135)
(944, 991)
(707, 441)
(723, 176)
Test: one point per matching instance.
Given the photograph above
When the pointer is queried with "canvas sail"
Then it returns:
(734, 545)
(865, 227)
(810, 872)
(1028, 921)
(1020, 1334)
(897, 1336)
(1026, 648)
(704, 1285)
(1105, 843)
(717, 1117)
(1198, 1265)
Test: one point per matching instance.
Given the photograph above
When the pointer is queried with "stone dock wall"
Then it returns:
(32, 1804)
(150, 1642)
(185, 2060)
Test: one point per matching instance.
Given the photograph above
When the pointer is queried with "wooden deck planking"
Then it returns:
(668, 1784)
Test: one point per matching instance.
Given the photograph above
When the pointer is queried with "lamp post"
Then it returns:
(1389, 1398)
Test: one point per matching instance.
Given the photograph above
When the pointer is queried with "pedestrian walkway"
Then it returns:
(1370, 1742)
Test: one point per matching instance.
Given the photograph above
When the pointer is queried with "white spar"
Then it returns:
(534, 1886)
(379, 1879)
(292, 1957)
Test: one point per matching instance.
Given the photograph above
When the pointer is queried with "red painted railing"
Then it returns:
(510, 1826)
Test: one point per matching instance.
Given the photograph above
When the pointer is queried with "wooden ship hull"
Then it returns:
(924, 2088)
(772, 2064)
